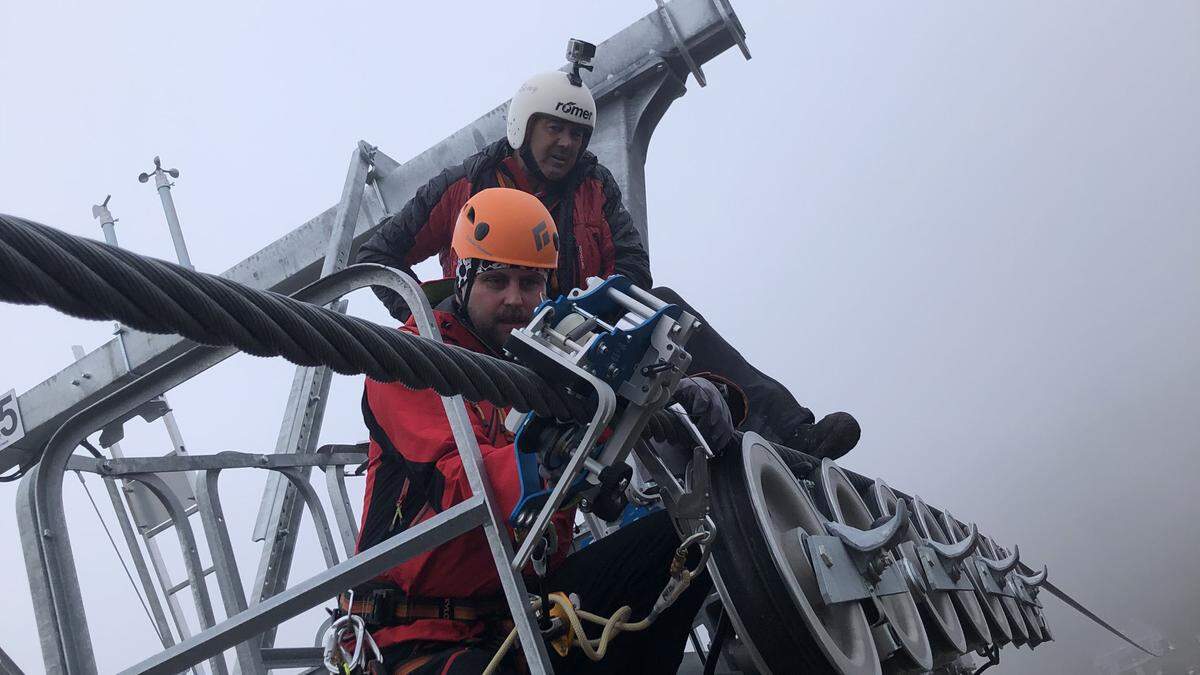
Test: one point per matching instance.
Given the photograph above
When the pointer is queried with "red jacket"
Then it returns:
(597, 235)
(414, 471)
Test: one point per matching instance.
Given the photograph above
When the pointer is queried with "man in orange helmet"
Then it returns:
(444, 609)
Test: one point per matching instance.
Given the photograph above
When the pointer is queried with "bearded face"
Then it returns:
(502, 300)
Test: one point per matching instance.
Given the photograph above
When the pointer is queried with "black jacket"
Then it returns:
(596, 234)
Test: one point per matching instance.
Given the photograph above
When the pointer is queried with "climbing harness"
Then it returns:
(389, 607)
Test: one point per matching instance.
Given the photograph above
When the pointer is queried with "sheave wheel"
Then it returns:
(1036, 637)
(847, 507)
(764, 575)
(937, 607)
(970, 613)
(1020, 630)
(1002, 632)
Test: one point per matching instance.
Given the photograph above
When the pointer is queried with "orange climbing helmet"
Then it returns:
(503, 225)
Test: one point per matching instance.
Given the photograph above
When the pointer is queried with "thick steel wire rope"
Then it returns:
(87, 279)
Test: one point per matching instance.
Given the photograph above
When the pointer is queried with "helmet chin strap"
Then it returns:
(531, 165)
(465, 280)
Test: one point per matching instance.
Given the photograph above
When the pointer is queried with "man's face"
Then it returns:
(502, 300)
(555, 145)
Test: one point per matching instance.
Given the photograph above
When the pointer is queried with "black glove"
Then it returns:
(705, 407)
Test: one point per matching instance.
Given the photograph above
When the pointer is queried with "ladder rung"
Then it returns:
(185, 583)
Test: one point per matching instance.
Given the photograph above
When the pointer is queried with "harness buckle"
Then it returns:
(383, 607)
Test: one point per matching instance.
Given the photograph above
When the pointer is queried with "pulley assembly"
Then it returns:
(832, 572)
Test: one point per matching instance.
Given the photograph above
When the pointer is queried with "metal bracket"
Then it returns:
(887, 535)
(941, 574)
(693, 503)
(1004, 565)
(736, 31)
(114, 432)
(991, 584)
(956, 552)
(839, 577)
(681, 46)
(1035, 580)
(884, 636)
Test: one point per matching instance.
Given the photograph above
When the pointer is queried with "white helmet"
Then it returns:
(550, 94)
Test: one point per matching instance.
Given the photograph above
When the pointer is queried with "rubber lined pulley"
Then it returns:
(942, 626)
(765, 576)
(843, 501)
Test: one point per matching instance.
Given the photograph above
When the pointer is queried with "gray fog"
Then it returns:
(976, 226)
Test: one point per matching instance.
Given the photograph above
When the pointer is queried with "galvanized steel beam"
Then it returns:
(343, 512)
(220, 460)
(8, 666)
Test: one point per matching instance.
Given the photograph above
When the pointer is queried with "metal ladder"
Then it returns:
(139, 511)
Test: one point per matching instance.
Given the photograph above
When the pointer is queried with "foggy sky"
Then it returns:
(975, 226)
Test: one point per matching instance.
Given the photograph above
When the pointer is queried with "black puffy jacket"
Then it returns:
(597, 235)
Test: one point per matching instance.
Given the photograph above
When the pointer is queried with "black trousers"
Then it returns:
(773, 411)
(628, 567)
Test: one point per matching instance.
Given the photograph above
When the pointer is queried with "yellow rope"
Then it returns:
(614, 625)
(593, 649)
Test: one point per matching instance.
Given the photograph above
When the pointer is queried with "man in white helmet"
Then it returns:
(550, 121)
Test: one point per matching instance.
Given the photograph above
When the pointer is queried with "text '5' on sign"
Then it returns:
(11, 428)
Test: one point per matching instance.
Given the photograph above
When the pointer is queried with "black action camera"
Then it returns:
(580, 54)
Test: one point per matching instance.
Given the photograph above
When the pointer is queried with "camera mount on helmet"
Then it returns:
(580, 55)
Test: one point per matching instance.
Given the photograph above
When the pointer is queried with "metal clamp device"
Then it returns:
(618, 347)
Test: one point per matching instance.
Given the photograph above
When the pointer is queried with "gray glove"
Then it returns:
(707, 409)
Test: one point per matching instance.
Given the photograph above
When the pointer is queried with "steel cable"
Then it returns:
(91, 280)
(120, 558)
